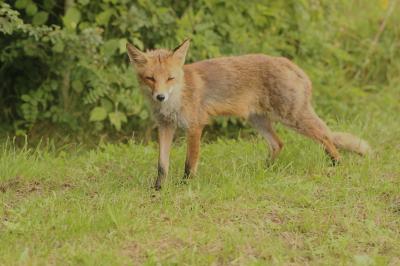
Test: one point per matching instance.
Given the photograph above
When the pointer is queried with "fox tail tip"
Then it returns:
(352, 143)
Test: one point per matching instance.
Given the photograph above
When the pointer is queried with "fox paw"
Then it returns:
(335, 162)
(157, 187)
(183, 181)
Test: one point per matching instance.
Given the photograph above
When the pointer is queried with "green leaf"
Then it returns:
(137, 42)
(20, 132)
(84, 25)
(40, 18)
(83, 2)
(21, 4)
(26, 97)
(31, 9)
(98, 126)
(48, 4)
(104, 17)
(5, 26)
(110, 47)
(107, 104)
(58, 47)
(122, 45)
(77, 86)
(53, 85)
(72, 18)
(117, 118)
(98, 114)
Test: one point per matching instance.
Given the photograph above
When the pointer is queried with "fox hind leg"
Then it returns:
(264, 126)
(310, 125)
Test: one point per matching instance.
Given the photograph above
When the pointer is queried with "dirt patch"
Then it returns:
(140, 252)
(136, 253)
(20, 186)
(274, 217)
(292, 240)
(67, 186)
(11, 184)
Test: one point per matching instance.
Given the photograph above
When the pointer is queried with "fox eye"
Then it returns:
(170, 78)
(150, 78)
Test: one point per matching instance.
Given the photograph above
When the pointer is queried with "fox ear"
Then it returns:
(136, 56)
(181, 51)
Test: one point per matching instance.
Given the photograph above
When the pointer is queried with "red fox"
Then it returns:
(260, 88)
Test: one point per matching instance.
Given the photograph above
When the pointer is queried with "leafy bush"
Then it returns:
(65, 65)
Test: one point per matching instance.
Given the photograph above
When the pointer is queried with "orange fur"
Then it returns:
(260, 88)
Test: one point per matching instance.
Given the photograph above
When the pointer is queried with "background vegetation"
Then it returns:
(64, 70)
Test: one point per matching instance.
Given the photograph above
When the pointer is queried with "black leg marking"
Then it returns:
(186, 174)
(334, 161)
(160, 177)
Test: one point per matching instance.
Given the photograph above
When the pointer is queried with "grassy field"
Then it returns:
(76, 206)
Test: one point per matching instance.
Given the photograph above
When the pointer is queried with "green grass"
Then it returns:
(95, 207)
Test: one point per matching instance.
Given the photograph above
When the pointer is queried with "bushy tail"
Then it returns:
(350, 142)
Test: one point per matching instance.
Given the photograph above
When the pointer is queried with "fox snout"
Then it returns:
(161, 97)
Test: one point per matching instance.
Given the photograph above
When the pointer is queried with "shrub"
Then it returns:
(65, 65)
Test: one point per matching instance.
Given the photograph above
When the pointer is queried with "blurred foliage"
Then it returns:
(64, 64)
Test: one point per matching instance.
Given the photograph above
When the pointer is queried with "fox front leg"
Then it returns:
(165, 137)
(193, 150)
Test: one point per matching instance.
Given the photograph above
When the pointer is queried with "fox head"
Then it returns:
(160, 71)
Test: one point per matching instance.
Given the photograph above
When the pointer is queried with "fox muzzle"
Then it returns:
(161, 97)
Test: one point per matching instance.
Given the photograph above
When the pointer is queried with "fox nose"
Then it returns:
(160, 97)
